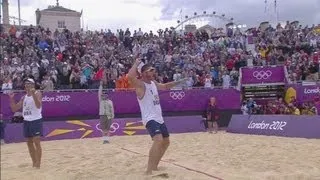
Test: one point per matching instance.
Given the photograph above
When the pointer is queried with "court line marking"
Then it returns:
(175, 164)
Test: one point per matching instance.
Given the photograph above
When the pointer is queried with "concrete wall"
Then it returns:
(50, 20)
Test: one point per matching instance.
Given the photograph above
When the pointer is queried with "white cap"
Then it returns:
(30, 80)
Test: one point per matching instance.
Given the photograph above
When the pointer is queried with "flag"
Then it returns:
(99, 74)
(275, 6)
(81, 12)
(180, 11)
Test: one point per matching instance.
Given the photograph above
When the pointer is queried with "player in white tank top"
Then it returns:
(151, 112)
(31, 105)
(30, 111)
(150, 104)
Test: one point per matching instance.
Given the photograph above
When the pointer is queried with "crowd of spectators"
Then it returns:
(279, 106)
(79, 60)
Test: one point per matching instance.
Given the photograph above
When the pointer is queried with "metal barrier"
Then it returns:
(184, 88)
(112, 90)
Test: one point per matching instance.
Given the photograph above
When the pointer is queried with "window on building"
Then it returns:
(61, 24)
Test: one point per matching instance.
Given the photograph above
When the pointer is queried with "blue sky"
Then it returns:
(154, 14)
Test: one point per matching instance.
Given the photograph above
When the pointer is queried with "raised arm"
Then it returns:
(100, 91)
(37, 98)
(169, 85)
(132, 75)
(13, 105)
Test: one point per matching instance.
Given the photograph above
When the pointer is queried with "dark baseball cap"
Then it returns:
(147, 67)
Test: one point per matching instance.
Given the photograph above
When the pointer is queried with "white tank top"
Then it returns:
(29, 110)
(150, 104)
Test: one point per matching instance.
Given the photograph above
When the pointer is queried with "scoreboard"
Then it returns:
(263, 92)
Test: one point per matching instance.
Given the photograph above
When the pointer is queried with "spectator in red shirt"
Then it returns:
(230, 64)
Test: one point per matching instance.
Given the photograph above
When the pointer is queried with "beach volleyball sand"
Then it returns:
(222, 156)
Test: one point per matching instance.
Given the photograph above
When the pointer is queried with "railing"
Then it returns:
(114, 90)
(184, 88)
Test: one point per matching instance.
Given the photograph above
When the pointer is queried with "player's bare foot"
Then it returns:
(158, 169)
(148, 173)
(36, 165)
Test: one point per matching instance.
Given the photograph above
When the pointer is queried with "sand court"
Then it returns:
(191, 156)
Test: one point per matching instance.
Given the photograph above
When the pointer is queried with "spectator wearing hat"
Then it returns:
(106, 112)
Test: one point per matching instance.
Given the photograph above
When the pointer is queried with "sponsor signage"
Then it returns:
(75, 129)
(258, 75)
(75, 104)
(276, 125)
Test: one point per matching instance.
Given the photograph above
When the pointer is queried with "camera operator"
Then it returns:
(251, 104)
(251, 107)
(244, 108)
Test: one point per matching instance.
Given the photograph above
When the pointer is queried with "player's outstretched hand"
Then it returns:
(183, 80)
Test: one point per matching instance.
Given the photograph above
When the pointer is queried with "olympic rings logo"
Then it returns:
(262, 74)
(177, 95)
(113, 128)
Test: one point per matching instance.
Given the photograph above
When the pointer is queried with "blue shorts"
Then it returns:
(32, 128)
(155, 128)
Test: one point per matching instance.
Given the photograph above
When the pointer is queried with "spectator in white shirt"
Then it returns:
(244, 108)
(177, 76)
(47, 84)
(7, 85)
(250, 61)
(226, 80)
(139, 33)
(208, 81)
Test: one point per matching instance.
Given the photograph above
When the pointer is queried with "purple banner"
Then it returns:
(257, 75)
(276, 125)
(306, 93)
(76, 129)
(68, 104)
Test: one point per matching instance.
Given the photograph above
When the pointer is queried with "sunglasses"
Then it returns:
(151, 69)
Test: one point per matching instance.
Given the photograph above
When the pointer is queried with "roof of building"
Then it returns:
(58, 8)
(205, 26)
